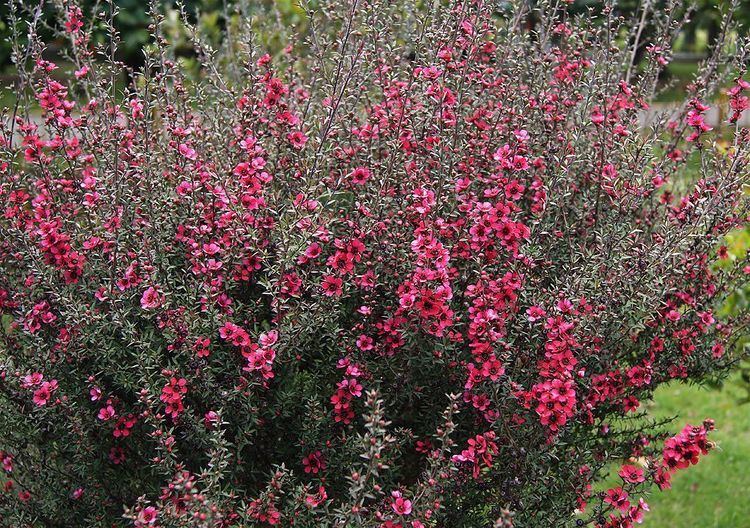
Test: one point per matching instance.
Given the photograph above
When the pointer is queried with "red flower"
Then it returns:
(117, 455)
(332, 286)
(618, 498)
(297, 139)
(201, 347)
(479, 453)
(44, 393)
(631, 474)
(314, 463)
(359, 175)
(124, 425)
(172, 395)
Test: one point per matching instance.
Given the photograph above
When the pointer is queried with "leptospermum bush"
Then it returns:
(420, 268)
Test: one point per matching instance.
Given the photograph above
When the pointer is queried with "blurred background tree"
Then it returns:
(210, 16)
(132, 21)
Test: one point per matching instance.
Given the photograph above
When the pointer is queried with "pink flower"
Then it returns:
(480, 451)
(44, 393)
(235, 334)
(106, 412)
(597, 117)
(187, 151)
(136, 108)
(151, 299)
(359, 175)
(365, 343)
(81, 72)
(74, 23)
(313, 501)
(706, 318)
(7, 461)
(41, 313)
(632, 474)
(313, 251)
(535, 313)
(147, 516)
(201, 347)
(352, 386)
(32, 380)
(297, 139)
(268, 339)
(400, 505)
(124, 425)
(211, 419)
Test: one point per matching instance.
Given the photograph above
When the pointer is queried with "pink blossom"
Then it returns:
(107, 412)
(400, 505)
(151, 298)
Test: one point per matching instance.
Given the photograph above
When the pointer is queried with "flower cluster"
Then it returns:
(683, 450)
(738, 101)
(172, 395)
(479, 453)
(346, 390)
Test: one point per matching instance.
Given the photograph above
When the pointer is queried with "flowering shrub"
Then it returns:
(420, 268)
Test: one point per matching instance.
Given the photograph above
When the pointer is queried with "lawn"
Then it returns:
(714, 493)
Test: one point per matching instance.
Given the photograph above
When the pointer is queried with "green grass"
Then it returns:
(714, 493)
